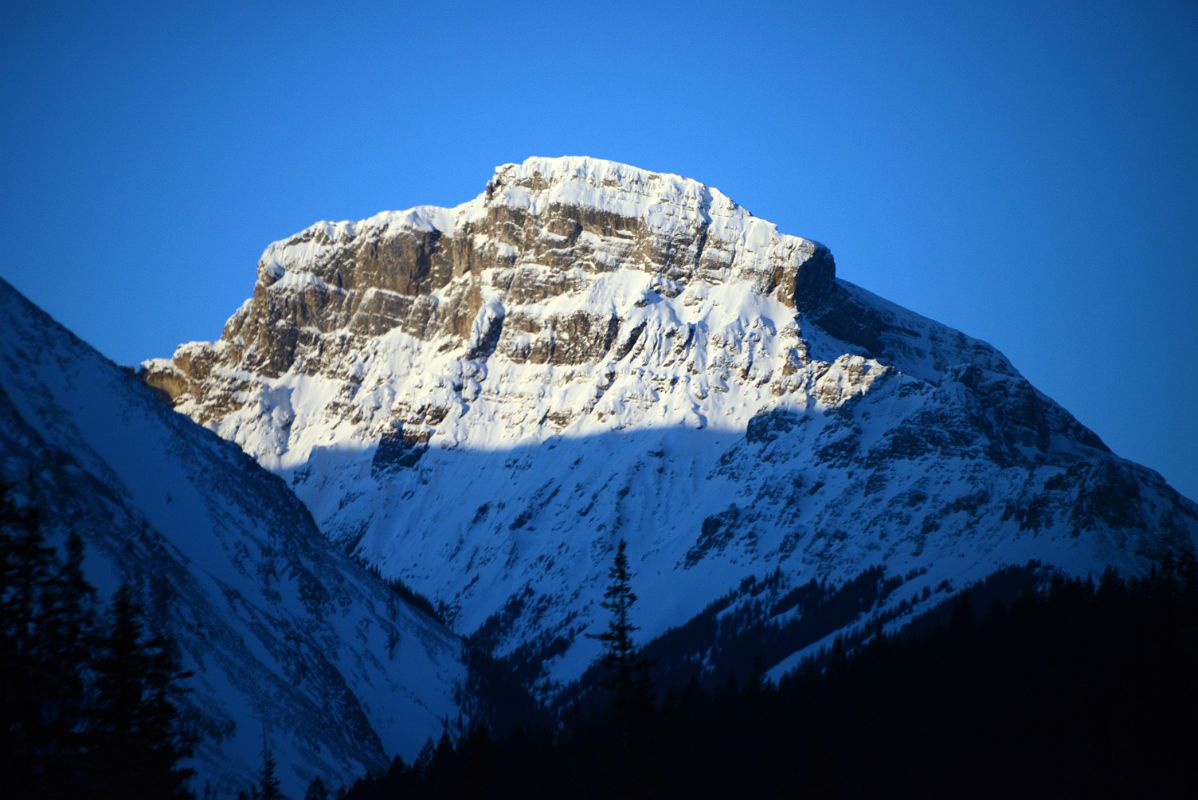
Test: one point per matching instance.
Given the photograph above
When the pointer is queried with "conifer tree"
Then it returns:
(118, 666)
(136, 741)
(317, 790)
(26, 569)
(625, 669)
(68, 633)
(87, 711)
(268, 780)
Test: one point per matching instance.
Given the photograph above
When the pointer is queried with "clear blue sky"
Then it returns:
(1027, 173)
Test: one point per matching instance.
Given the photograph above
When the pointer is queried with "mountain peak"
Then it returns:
(663, 204)
(596, 182)
(550, 243)
(482, 400)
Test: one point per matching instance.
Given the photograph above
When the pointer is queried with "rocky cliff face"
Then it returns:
(541, 270)
(290, 641)
(483, 400)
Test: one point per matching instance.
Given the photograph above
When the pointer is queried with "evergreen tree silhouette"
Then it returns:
(630, 714)
(68, 633)
(88, 709)
(625, 669)
(268, 780)
(26, 569)
(317, 790)
(135, 739)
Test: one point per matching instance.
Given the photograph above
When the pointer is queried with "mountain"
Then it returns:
(291, 642)
(484, 400)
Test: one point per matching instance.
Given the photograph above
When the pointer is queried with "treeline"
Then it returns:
(89, 694)
(1073, 689)
(1068, 689)
(753, 625)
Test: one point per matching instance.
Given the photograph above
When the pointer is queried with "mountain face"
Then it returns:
(291, 642)
(484, 400)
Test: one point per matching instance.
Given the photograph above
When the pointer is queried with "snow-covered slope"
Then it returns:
(483, 400)
(288, 638)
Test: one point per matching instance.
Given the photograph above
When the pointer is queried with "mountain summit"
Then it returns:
(484, 400)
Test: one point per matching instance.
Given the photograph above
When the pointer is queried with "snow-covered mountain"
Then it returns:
(483, 400)
(291, 641)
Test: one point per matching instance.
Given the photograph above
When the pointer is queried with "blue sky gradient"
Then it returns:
(1024, 173)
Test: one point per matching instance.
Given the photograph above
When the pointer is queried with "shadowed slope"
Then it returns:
(289, 639)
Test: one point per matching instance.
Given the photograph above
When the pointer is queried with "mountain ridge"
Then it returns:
(290, 642)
